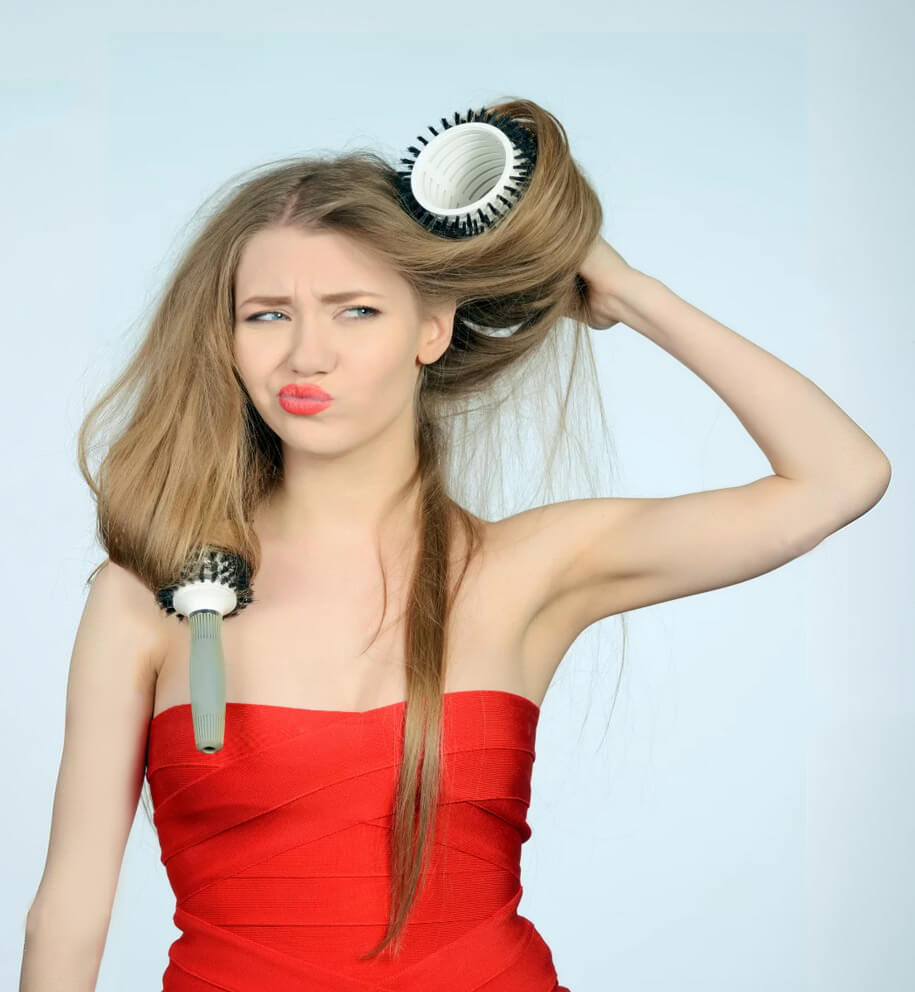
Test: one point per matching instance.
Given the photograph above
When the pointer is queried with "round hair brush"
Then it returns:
(210, 587)
(468, 176)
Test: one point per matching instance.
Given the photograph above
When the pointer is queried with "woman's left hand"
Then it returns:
(603, 271)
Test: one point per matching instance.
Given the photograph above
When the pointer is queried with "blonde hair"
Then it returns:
(192, 458)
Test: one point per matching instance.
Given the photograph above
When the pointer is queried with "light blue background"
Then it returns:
(747, 823)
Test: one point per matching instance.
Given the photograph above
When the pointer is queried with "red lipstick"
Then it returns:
(303, 398)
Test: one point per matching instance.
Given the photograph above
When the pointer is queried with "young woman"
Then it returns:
(361, 827)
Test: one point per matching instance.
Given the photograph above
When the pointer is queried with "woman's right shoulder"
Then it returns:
(124, 590)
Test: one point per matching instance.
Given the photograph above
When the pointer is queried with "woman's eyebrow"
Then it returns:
(346, 294)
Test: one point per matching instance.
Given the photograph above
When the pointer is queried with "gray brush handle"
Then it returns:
(208, 680)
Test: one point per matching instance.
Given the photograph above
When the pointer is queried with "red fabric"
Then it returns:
(277, 849)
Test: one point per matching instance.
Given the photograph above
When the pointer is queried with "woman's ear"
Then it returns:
(437, 329)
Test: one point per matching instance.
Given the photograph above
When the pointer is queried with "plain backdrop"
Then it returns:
(746, 820)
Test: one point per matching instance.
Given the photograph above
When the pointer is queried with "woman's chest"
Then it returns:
(331, 635)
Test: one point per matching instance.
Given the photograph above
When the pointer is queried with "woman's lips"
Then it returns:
(303, 405)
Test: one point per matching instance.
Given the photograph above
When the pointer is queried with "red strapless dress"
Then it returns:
(277, 849)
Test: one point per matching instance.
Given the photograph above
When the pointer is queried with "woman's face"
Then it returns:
(364, 351)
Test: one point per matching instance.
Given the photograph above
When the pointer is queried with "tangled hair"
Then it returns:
(192, 458)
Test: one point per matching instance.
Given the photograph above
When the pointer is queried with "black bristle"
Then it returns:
(218, 566)
(463, 225)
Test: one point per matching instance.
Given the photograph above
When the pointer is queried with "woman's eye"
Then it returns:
(263, 313)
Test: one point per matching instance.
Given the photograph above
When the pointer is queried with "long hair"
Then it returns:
(192, 458)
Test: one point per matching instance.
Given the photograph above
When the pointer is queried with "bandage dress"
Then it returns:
(277, 848)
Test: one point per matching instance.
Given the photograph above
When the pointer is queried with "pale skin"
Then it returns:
(547, 573)
(567, 564)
